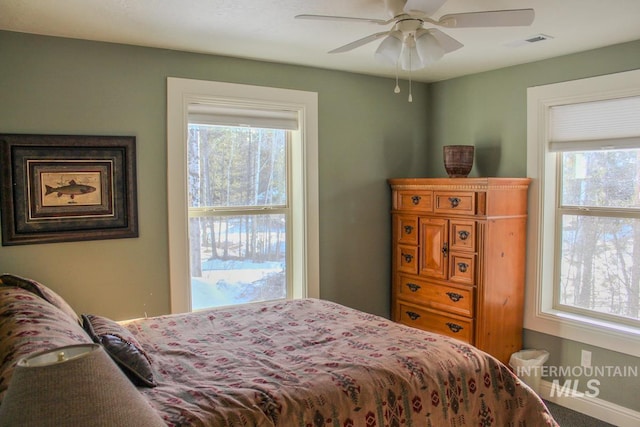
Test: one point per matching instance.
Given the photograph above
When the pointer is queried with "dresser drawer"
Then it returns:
(462, 268)
(407, 200)
(406, 229)
(456, 300)
(407, 259)
(433, 321)
(459, 202)
(463, 235)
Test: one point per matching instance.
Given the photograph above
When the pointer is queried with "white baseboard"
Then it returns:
(593, 406)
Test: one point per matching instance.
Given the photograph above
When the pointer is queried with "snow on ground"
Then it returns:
(233, 282)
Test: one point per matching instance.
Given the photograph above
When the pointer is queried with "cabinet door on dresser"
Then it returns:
(434, 242)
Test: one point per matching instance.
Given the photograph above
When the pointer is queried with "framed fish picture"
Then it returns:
(61, 188)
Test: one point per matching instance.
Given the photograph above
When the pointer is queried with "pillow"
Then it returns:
(123, 348)
(41, 290)
(29, 324)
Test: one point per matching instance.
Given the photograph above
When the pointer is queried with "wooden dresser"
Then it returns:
(458, 262)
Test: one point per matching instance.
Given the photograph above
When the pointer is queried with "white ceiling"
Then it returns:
(266, 29)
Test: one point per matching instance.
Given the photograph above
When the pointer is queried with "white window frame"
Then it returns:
(540, 315)
(304, 178)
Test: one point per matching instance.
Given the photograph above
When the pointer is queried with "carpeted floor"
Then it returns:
(568, 418)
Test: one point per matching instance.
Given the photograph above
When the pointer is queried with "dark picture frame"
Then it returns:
(63, 188)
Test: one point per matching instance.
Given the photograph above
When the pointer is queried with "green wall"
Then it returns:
(366, 135)
(488, 110)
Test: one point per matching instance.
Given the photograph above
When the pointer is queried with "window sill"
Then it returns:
(612, 336)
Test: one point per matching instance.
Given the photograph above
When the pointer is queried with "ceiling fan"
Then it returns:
(409, 44)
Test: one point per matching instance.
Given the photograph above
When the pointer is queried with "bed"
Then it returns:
(304, 362)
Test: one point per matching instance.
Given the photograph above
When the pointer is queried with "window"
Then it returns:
(583, 266)
(242, 192)
(239, 214)
(599, 234)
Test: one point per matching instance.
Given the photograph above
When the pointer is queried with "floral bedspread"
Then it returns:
(315, 363)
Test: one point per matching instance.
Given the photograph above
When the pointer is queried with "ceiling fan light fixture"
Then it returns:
(428, 47)
(390, 48)
(409, 59)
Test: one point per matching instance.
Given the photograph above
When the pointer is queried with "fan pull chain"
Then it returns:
(410, 66)
(410, 97)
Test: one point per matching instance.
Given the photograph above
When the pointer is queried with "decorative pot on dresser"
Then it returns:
(458, 261)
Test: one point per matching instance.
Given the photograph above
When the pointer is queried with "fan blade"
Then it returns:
(495, 18)
(448, 43)
(428, 7)
(394, 7)
(361, 42)
(344, 18)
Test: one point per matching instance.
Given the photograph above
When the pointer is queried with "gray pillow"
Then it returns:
(123, 348)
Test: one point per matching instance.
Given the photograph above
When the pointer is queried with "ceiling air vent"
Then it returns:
(538, 38)
(533, 39)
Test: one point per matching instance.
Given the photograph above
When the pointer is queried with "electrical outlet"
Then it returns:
(585, 358)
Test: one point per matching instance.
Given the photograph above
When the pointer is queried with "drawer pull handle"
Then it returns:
(463, 267)
(408, 229)
(413, 287)
(412, 315)
(416, 199)
(454, 202)
(445, 248)
(407, 257)
(454, 328)
(454, 296)
(464, 235)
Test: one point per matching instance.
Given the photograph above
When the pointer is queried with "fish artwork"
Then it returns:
(72, 189)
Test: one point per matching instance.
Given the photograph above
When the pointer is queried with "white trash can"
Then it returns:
(527, 365)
